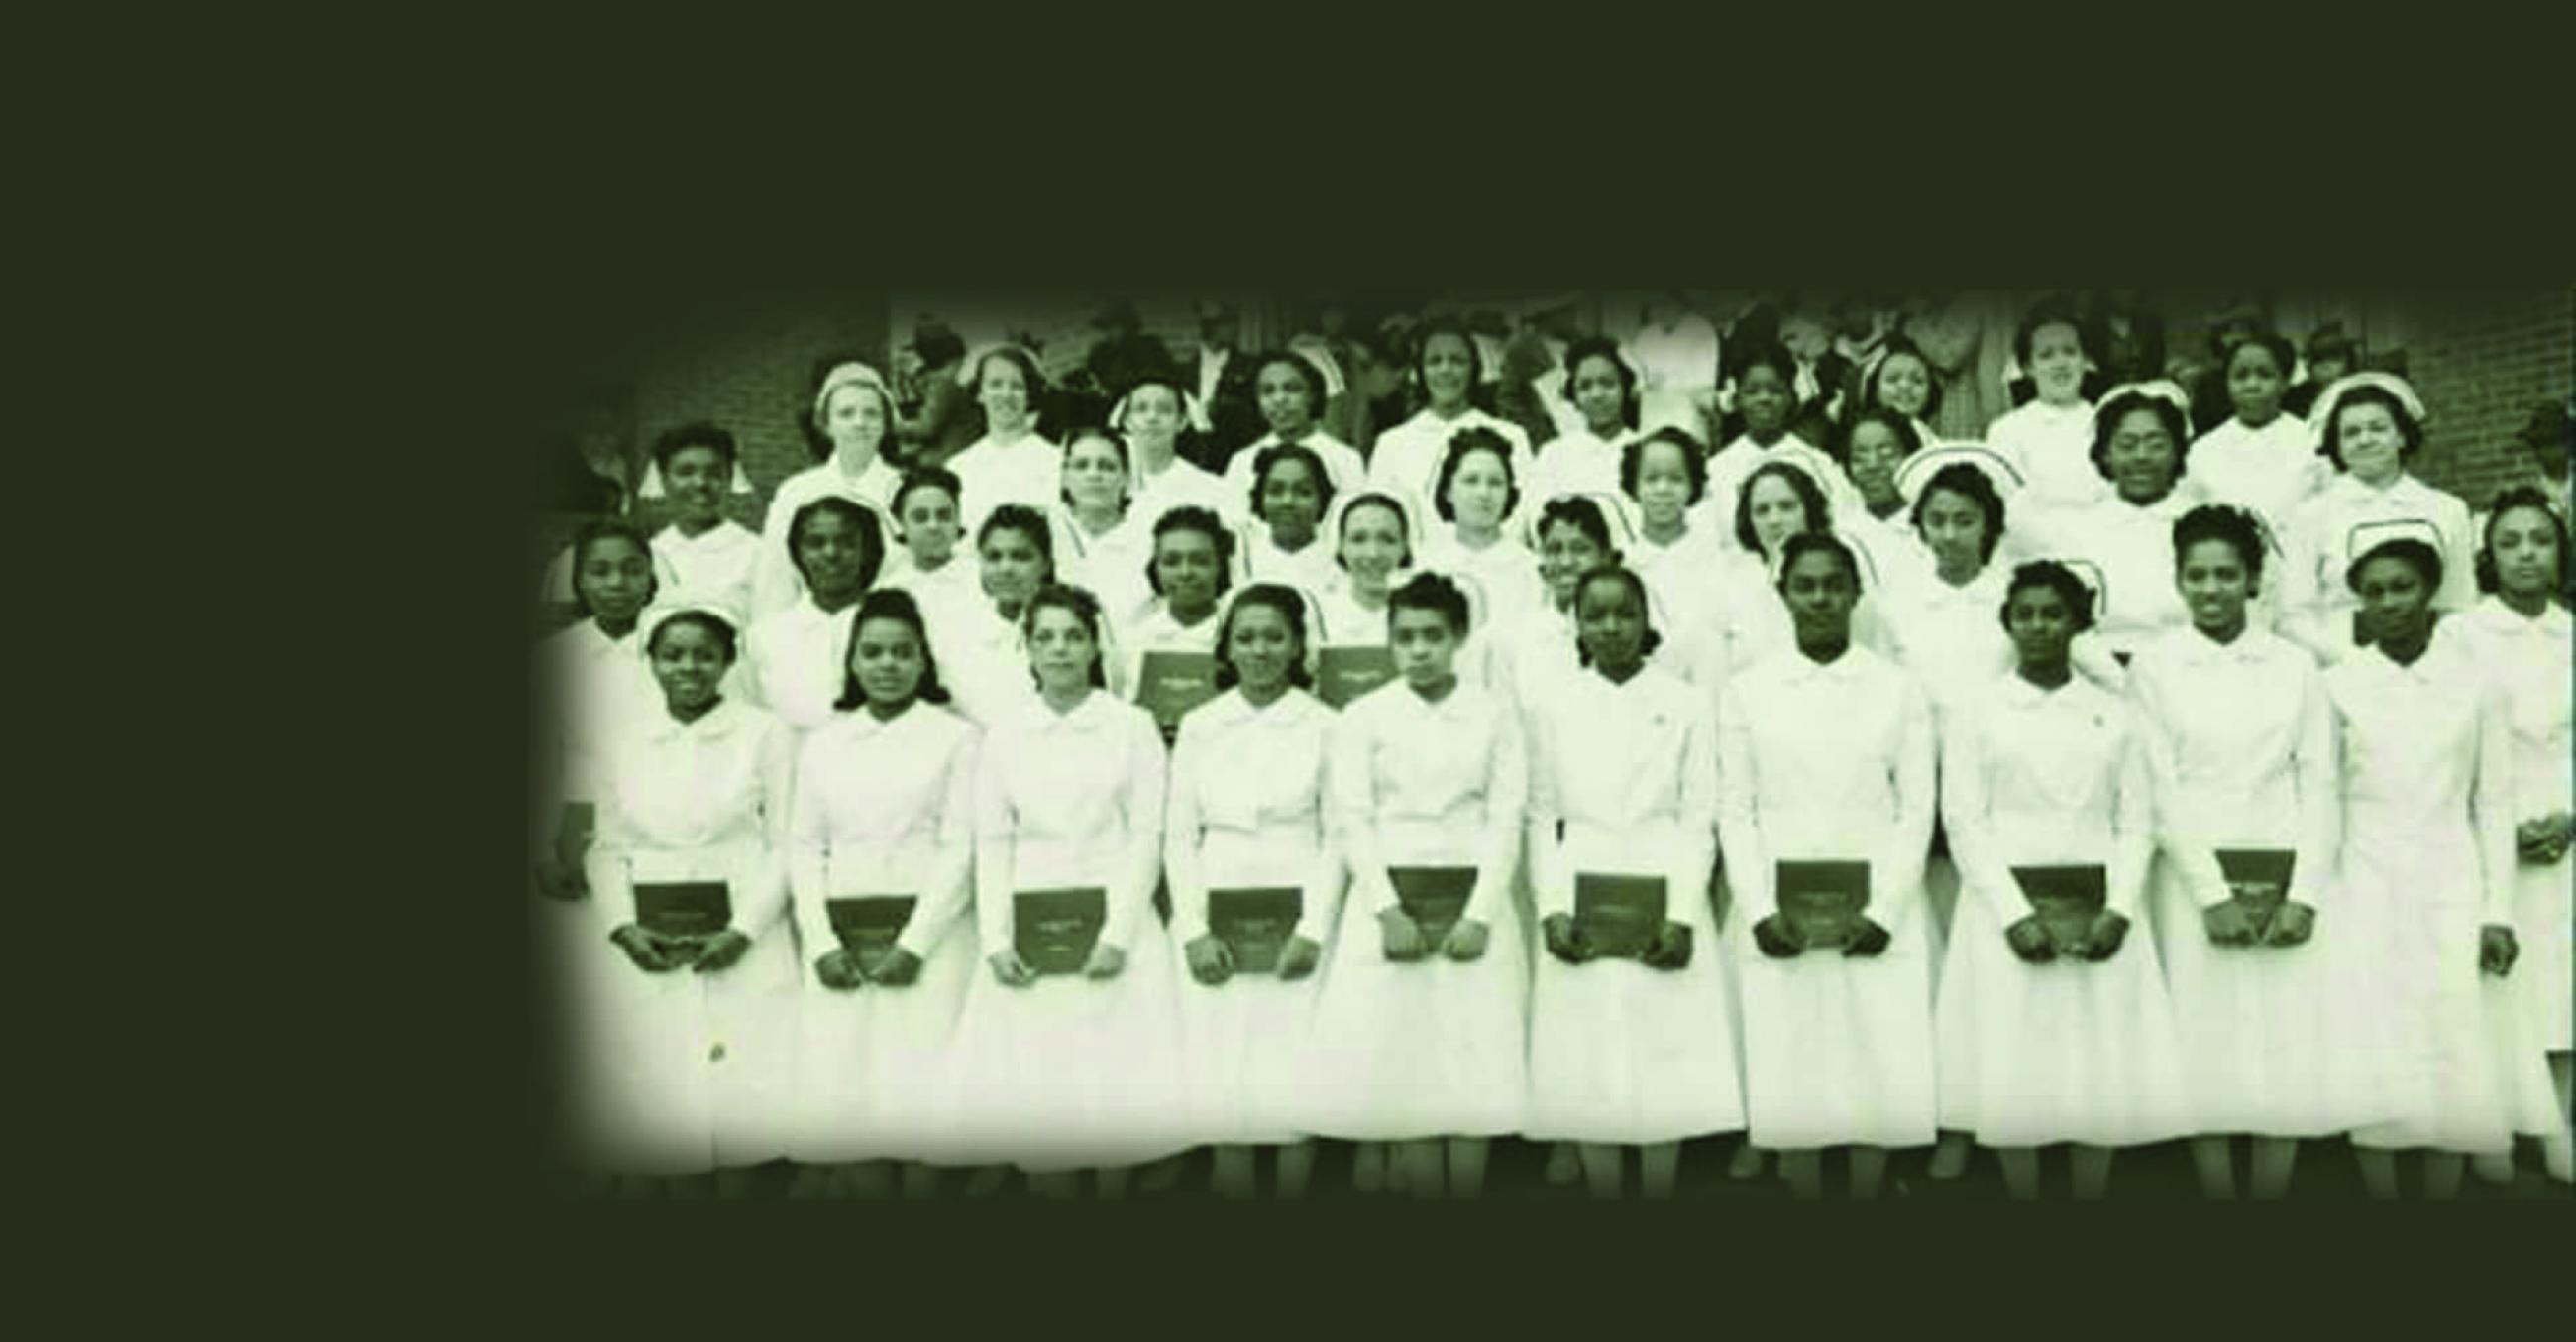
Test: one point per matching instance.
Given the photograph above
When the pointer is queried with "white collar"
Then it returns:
(715, 724)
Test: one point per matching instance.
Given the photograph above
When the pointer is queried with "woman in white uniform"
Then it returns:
(2068, 1036)
(1256, 884)
(2526, 640)
(1101, 542)
(2263, 458)
(1011, 463)
(1289, 390)
(1766, 393)
(1586, 460)
(1477, 495)
(1775, 504)
(2049, 441)
(2371, 425)
(927, 563)
(2427, 872)
(2241, 738)
(1825, 754)
(1151, 415)
(711, 558)
(852, 414)
(1290, 494)
(691, 892)
(796, 658)
(1870, 450)
(1664, 477)
(1192, 566)
(1420, 1035)
(1068, 1051)
(980, 641)
(2140, 445)
(1632, 1041)
(881, 840)
(1408, 460)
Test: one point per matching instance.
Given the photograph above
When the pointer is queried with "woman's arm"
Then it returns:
(1551, 885)
(808, 853)
(2491, 804)
(2320, 784)
(2133, 823)
(1352, 791)
(1739, 831)
(765, 899)
(1897, 878)
(1181, 832)
(2189, 852)
(1506, 807)
(1966, 817)
(1141, 863)
(611, 874)
(994, 823)
(1687, 883)
(945, 892)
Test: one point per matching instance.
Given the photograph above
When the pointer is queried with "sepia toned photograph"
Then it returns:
(1725, 745)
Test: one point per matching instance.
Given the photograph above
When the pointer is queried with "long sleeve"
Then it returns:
(1687, 883)
(1352, 791)
(2133, 826)
(764, 896)
(945, 893)
(2299, 612)
(2491, 804)
(775, 584)
(2320, 783)
(2189, 851)
(1131, 896)
(612, 878)
(808, 850)
(1320, 907)
(993, 826)
(1551, 885)
(2459, 589)
(1506, 803)
(1181, 834)
(1739, 830)
(1897, 883)
(1964, 813)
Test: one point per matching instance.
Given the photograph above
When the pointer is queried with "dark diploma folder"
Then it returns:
(1822, 900)
(2261, 875)
(1620, 915)
(2065, 898)
(1255, 924)
(1346, 673)
(1435, 898)
(683, 908)
(1054, 930)
(1169, 684)
(868, 922)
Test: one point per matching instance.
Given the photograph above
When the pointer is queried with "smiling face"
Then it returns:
(1095, 473)
(2374, 450)
(1287, 403)
(1448, 369)
(1004, 393)
(1905, 384)
(1425, 647)
(688, 662)
(1954, 530)
(1061, 650)
(1479, 489)
(2396, 602)
(615, 580)
(1153, 415)
(929, 526)
(2040, 624)
(1766, 399)
(1292, 502)
(2255, 381)
(1663, 484)
(1876, 452)
(1013, 568)
(889, 662)
(696, 479)
(2216, 586)
(2143, 456)
(1777, 511)
(1611, 624)
(2524, 544)
(1565, 554)
(1372, 545)
(1598, 394)
(832, 558)
(2057, 362)
(854, 418)
(1185, 563)
(1820, 593)
(1260, 642)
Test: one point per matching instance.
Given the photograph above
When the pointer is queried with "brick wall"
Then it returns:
(2481, 364)
(752, 380)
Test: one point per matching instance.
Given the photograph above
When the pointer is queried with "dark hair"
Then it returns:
(809, 420)
(1025, 520)
(1168, 381)
(2057, 578)
(1897, 345)
(2285, 356)
(1034, 380)
(927, 477)
(1978, 488)
(1454, 327)
(2106, 422)
(697, 433)
(1191, 517)
(1632, 460)
(1895, 423)
(1269, 460)
(1478, 439)
(1811, 499)
(2055, 311)
(938, 346)
(1275, 597)
(2520, 496)
(1583, 515)
(1603, 347)
(1775, 356)
(1126, 463)
(2233, 527)
(1316, 392)
(1431, 592)
(714, 624)
(2410, 434)
(896, 604)
(1616, 572)
(1817, 542)
(872, 544)
(1085, 608)
(591, 535)
(2426, 560)
(1374, 499)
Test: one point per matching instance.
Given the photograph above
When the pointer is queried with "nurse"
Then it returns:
(2372, 427)
(1778, 502)
(1100, 537)
(710, 557)
(597, 679)
(2241, 737)
(1290, 494)
(851, 415)
(1586, 459)
(691, 893)
(1010, 463)
(2140, 445)
(1067, 1053)
(925, 526)
(1256, 884)
(2525, 637)
(1766, 394)
(881, 840)
(982, 640)
(1870, 450)
(1410, 459)
(1291, 394)
(2428, 868)
(1476, 495)
(1825, 755)
(2049, 441)
(1664, 478)
(1192, 566)
(1632, 1038)
(797, 656)
(2053, 1025)
(1420, 1035)
(2263, 458)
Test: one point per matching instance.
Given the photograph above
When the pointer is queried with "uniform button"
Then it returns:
(716, 1051)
